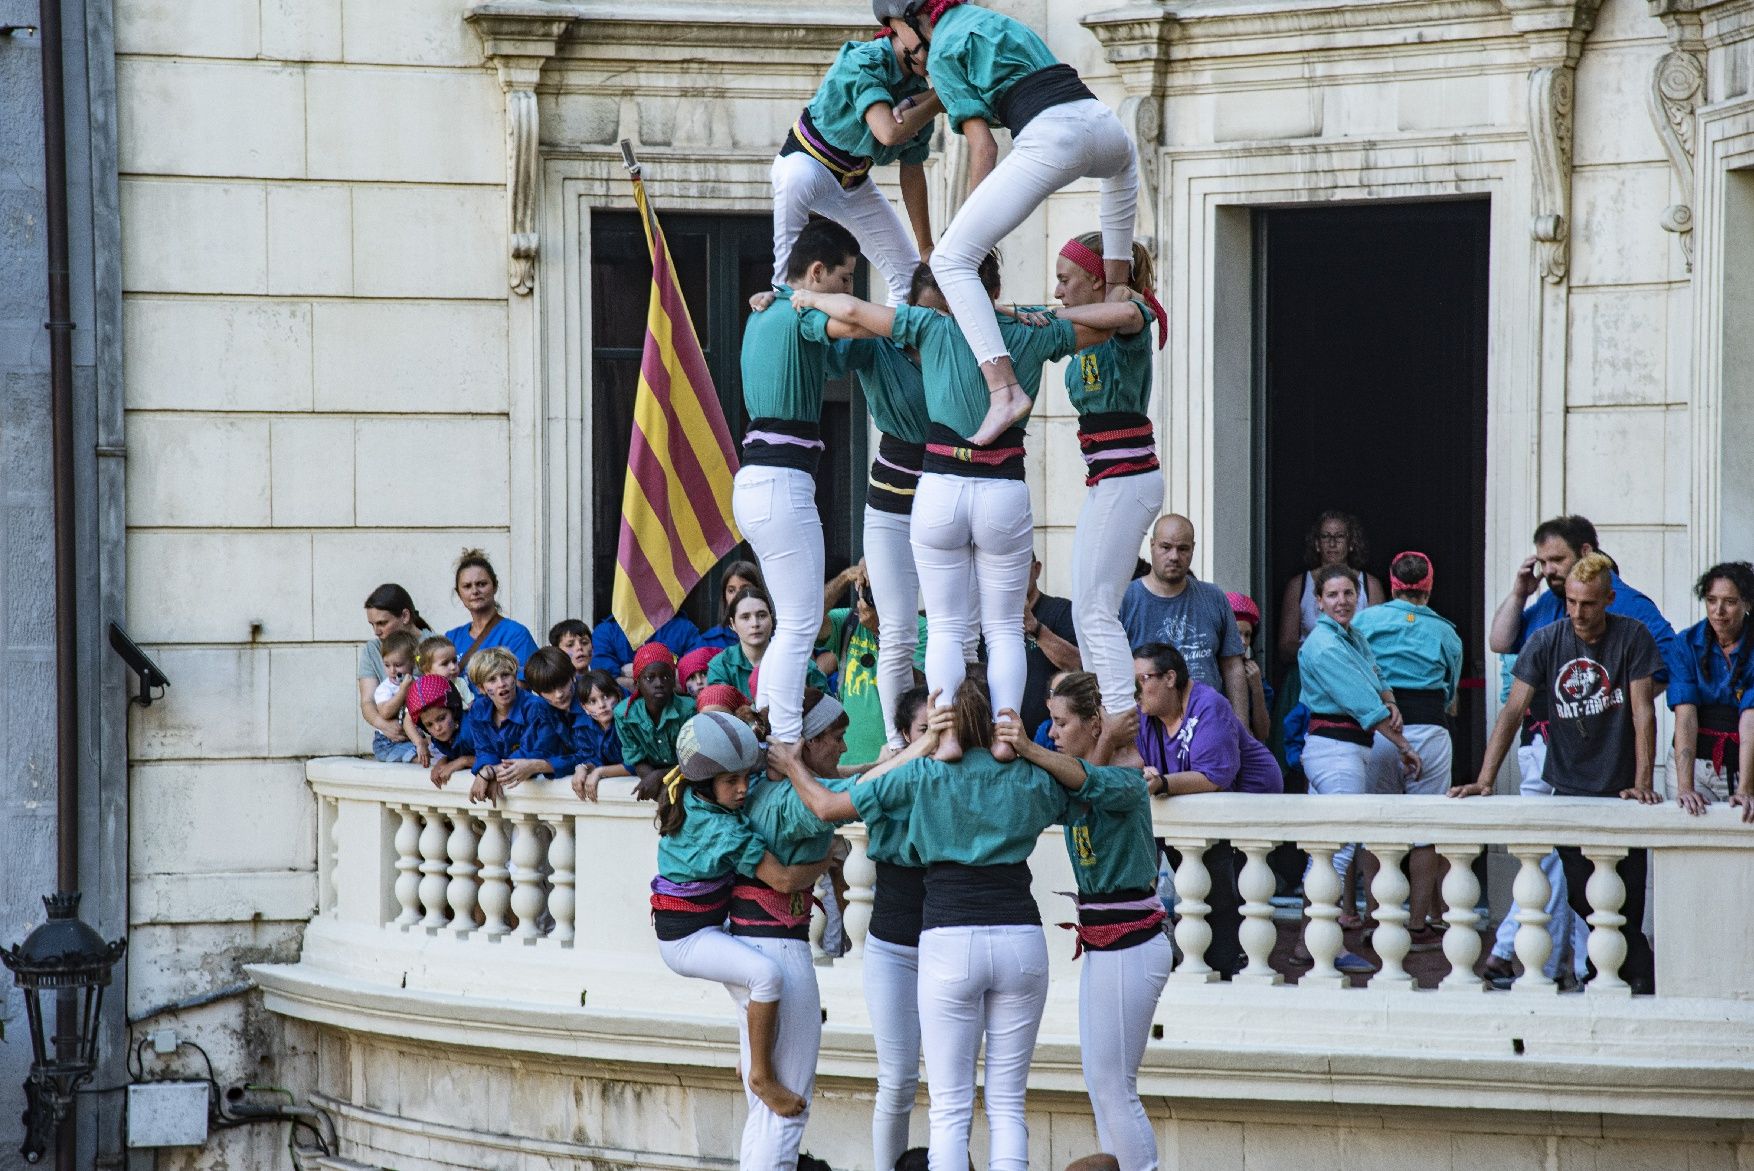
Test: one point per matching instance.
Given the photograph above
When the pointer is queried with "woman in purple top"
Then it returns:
(1189, 734)
(1191, 741)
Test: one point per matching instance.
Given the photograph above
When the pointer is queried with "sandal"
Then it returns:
(1350, 921)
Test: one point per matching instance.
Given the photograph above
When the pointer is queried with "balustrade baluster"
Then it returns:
(861, 876)
(1606, 891)
(434, 867)
(1322, 937)
(461, 892)
(1256, 885)
(561, 898)
(526, 859)
(1391, 941)
(1533, 944)
(496, 891)
(1192, 933)
(329, 851)
(1461, 942)
(407, 844)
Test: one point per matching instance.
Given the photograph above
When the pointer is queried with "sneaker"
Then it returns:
(1351, 962)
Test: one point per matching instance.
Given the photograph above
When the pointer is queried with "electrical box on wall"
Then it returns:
(167, 1114)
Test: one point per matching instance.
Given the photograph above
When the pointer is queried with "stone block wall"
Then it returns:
(313, 211)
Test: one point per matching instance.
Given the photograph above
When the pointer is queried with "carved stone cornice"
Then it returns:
(1677, 86)
(1551, 89)
(518, 38)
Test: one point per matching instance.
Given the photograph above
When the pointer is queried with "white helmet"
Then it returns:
(888, 10)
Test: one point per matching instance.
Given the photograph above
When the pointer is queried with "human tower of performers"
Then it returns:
(958, 806)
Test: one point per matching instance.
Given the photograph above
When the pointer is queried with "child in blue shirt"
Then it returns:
(515, 733)
(586, 746)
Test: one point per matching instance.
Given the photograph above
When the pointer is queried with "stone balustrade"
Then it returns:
(523, 929)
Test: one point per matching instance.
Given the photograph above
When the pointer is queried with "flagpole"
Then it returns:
(627, 159)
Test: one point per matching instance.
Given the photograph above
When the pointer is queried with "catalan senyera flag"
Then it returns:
(676, 506)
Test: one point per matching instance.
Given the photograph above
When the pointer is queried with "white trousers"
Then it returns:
(1076, 140)
(1570, 933)
(895, 591)
(776, 509)
(770, 1141)
(1436, 753)
(1105, 547)
(975, 983)
(1339, 766)
(973, 542)
(892, 978)
(712, 954)
(1117, 995)
(802, 185)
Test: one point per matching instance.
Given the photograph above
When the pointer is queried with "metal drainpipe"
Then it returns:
(60, 326)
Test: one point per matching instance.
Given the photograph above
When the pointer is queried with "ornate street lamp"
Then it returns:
(66, 962)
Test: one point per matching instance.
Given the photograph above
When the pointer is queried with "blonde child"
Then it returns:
(391, 698)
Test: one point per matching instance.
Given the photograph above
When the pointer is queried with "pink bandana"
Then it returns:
(1086, 259)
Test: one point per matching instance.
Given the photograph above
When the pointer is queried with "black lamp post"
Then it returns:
(66, 961)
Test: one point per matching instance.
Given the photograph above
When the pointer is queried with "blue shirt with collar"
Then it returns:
(509, 633)
(610, 650)
(1701, 675)
(1415, 646)
(532, 730)
(588, 742)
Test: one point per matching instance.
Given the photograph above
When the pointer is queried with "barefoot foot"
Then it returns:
(1005, 407)
(776, 1097)
(1003, 751)
(949, 748)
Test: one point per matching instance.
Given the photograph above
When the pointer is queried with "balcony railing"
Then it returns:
(492, 922)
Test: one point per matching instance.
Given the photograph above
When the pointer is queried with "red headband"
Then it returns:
(427, 691)
(652, 652)
(721, 695)
(1423, 584)
(1086, 258)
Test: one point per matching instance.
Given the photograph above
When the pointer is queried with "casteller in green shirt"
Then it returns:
(1112, 849)
(865, 74)
(784, 361)
(1016, 801)
(645, 740)
(956, 391)
(976, 56)
(1114, 376)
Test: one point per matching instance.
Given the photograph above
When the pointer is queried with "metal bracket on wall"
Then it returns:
(152, 680)
(7, 30)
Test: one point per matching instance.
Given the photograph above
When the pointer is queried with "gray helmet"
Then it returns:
(711, 743)
(888, 10)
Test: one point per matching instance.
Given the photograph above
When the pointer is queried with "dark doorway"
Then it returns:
(721, 260)
(1371, 334)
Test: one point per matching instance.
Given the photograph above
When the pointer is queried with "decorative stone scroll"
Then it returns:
(521, 133)
(1677, 86)
(1550, 133)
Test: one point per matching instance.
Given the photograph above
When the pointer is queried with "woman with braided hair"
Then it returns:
(705, 842)
(988, 69)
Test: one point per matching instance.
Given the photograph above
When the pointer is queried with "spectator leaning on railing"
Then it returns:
(1599, 670)
(388, 609)
(477, 587)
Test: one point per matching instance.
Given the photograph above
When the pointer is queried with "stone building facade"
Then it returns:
(366, 261)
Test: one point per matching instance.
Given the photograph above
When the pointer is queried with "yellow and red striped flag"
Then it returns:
(676, 507)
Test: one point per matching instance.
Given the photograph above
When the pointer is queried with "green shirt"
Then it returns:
(1113, 849)
(866, 731)
(712, 843)
(977, 54)
(785, 355)
(1113, 376)
(956, 393)
(979, 812)
(895, 391)
(732, 666)
(791, 833)
(644, 741)
(864, 74)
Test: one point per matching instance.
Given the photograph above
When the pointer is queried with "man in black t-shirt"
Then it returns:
(1598, 672)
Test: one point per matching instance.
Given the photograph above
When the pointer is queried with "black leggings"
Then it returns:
(1639, 970)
